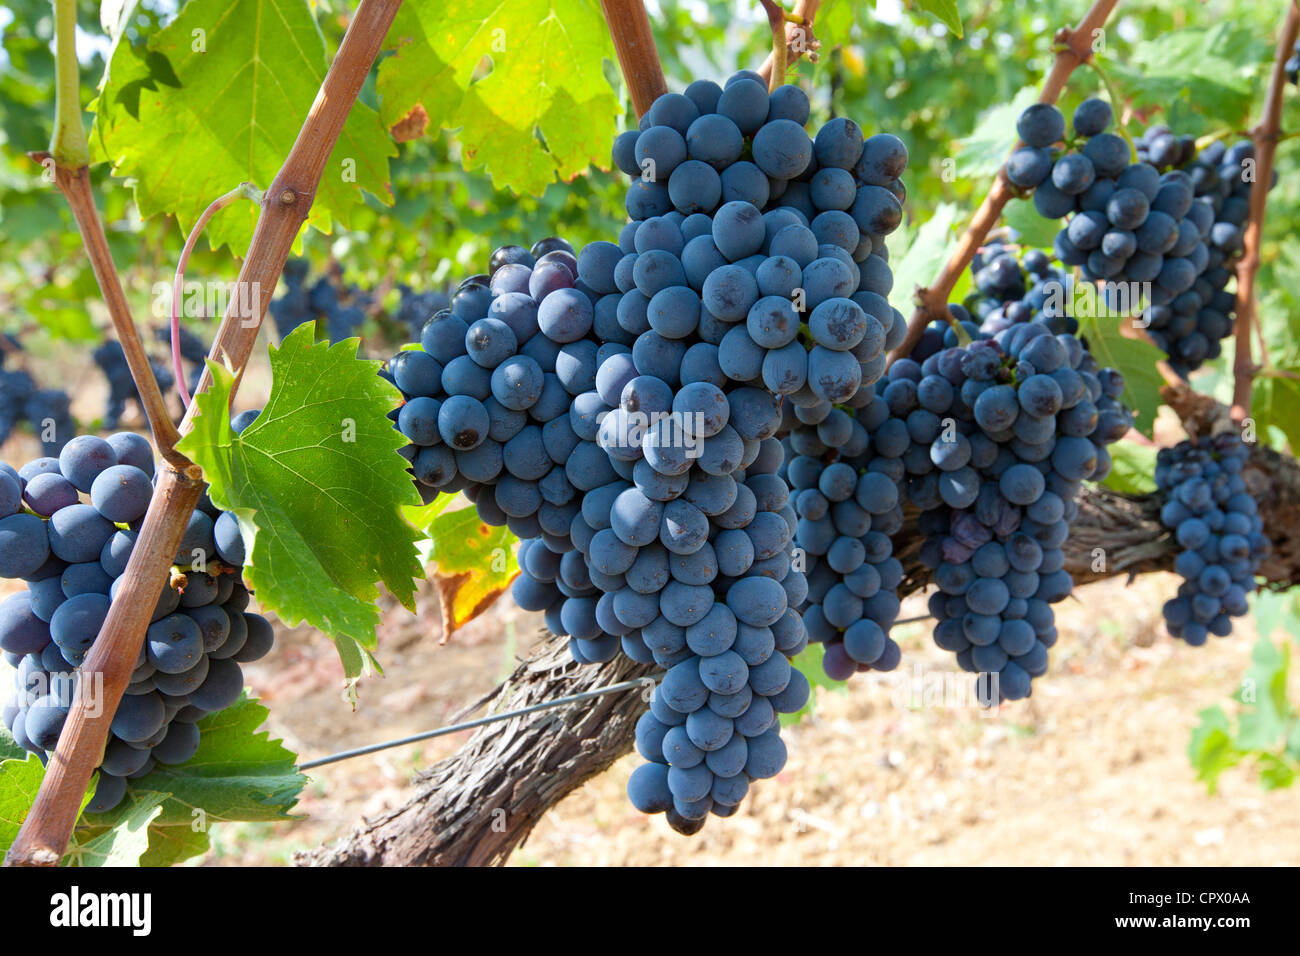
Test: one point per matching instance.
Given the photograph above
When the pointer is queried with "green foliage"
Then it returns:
(983, 152)
(9, 749)
(248, 73)
(1204, 79)
(238, 774)
(945, 11)
(317, 486)
(544, 107)
(124, 843)
(1033, 229)
(19, 781)
(1267, 729)
(1132, 468)
(1276, 400)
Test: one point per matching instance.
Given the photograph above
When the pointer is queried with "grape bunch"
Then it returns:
(752, 275)
(1127, 222)
(22, 400)
(618, 410)
(1010, 291)
(1293, 65)
(68, 530)
(1190, 327)
(415, 308)
(1003, 432)
(499, 400)
(121, 387)
(343, 309)
(1216, 522)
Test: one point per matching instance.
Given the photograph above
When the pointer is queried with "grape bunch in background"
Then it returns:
(1190, 327)
(342, 308)
(1126, 221)
(415, 308)
(121, 386)
(1216, 522)
(1002, 432)
(69, 526)
(47, 410)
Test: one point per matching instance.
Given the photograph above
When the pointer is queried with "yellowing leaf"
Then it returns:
(542, 110)
(476, 563)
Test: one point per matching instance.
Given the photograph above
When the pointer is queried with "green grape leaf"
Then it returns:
(238, 774)
(250, 71)
(123, 844)
(1275, 772)
(476, 563)
(945, 11)
(1199, 76)
(1266, 710)
(1275, 403)
(1210, 749)
(1034, 230)
(19, 781)
(1135, 359)
(1132, 469)
(983, 152)
(921, 258)
(9, 749)
(1272, 609)
(317, 486)
(523, 83)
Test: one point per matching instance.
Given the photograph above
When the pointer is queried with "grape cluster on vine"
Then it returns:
(1126, 222)
(1215, 520)
(618, 410)
(69, 527)
(1191, 326)
(1007, 429)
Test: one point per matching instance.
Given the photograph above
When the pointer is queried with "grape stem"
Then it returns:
(242, 191)
(638, 58)
(1265, 136)
(68, 144)
(1075, 49)
(66, 164)
(776, 18)
(1117, 107)
(799, 41)
(43, 837)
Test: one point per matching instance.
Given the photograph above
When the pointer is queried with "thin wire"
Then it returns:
(479, 722)
(913, 620)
